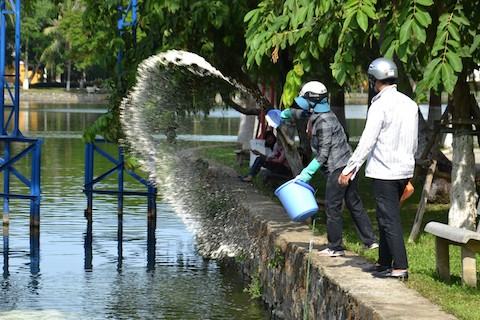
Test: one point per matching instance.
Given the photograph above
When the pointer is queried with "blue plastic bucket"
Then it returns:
(298, 199)
(274, 118)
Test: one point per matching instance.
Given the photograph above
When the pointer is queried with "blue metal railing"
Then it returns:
(119, 168)
(9, 120)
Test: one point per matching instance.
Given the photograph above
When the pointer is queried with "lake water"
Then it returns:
(77, 271)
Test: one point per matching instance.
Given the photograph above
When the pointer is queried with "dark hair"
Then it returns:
(269, 134)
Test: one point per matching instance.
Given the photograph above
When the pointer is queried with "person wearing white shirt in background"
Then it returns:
(388, 143)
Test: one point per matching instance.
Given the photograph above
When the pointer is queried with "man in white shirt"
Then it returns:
(388, 143)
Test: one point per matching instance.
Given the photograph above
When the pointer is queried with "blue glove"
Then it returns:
(286, 114)
(309, 171)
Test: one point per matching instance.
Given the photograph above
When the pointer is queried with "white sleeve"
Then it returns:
(367, 140)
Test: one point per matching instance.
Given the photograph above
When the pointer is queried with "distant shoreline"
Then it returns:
(76, 95)
(57, 95)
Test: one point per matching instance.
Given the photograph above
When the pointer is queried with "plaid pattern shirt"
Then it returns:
(329, 141)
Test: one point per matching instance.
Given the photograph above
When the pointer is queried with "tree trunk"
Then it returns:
(25, 85)
(291, 152)
(69, 70)
(463, 197)
(337, 104)
(434, 108)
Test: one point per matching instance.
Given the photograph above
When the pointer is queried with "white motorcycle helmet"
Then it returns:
(313, 95)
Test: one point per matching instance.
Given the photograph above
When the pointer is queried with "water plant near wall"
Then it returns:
(255, 288)
(278, 261)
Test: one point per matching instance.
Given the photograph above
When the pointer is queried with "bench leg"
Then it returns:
(443, 259)
(469, 267)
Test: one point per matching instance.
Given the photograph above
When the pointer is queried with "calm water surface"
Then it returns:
(84, 272)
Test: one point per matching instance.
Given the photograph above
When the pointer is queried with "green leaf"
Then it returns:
(439, 43)
(250, 15)
(351, 4)
(455, 61)
(322, 39)
(338, 72)
(426, 3)
(362, 20)
(391, 49)
(347, 21)
(448, 78)
(301, 15)
(313, 49)
(453, 30)
(370, 11)
(419, 32)
(476, 42)
(387, 42)
(423, 18)
(435, 78)
(430, 67)
(461, 20)
(405, 30)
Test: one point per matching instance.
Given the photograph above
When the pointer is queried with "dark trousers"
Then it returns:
(274, 167)
(335, 194)
(387, 195)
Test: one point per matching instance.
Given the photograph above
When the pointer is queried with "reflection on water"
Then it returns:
(75, 270)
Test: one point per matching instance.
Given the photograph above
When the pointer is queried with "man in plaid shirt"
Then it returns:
(332, 152)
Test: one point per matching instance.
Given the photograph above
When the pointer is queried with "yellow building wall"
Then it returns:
(11, 71)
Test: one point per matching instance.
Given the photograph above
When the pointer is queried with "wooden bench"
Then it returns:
(468, 240)
(91, 90)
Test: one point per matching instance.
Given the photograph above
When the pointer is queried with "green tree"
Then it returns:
(35, 18)
(435, 45)
(68, 37)
(213, 29)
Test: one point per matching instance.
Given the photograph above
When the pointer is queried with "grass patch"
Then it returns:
(450, 296)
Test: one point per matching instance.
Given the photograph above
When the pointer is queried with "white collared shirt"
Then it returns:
(389, 140)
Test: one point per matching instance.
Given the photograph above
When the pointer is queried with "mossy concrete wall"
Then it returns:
(235, 222)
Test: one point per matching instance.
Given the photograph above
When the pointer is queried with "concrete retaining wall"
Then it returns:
(236, 222)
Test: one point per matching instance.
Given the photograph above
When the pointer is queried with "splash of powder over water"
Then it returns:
(169, 85)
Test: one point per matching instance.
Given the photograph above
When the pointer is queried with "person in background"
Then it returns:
(331, 152)
(388, 143)
(274, 160)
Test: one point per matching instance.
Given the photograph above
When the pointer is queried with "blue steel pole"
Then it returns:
(134, 20)
(6, 186)
(16, 102)
(2, 100)
(35, 185)
(120, 181)
(2, 63)
(119, 53)
(89, 153)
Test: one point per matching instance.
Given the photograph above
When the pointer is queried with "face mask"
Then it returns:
(371, 82)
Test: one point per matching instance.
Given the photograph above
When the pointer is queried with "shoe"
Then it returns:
(332, 253)
(372, 246)
(376, 268)
(247, 179)
(391, 274)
